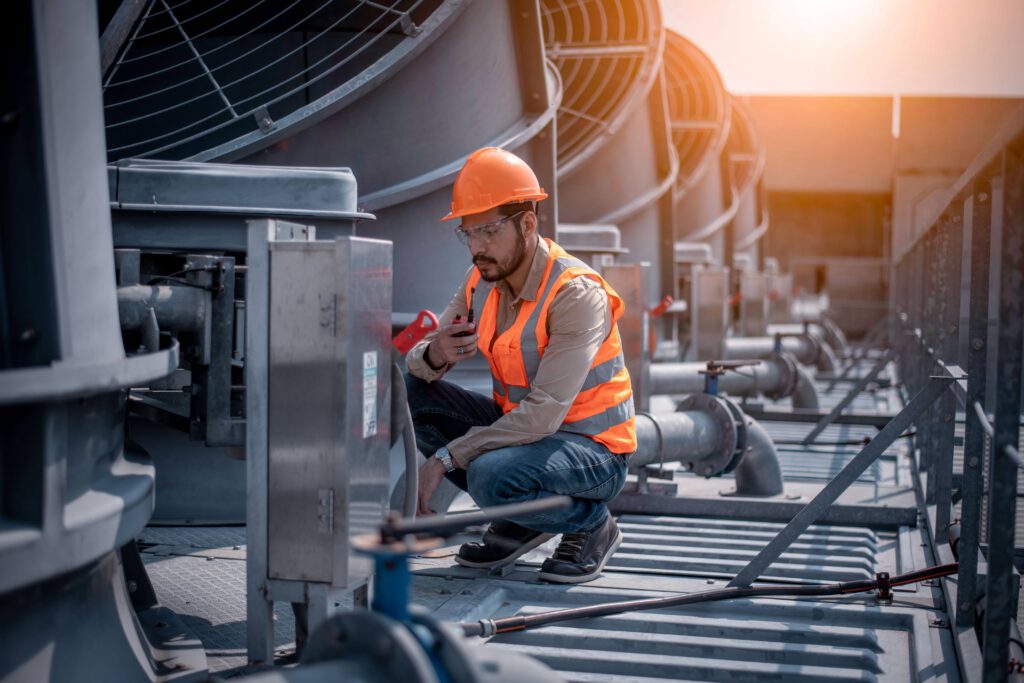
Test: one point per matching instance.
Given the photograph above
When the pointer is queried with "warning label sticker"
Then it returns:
(369, 394)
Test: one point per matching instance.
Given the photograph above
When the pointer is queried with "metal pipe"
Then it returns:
(828, 362)
(805, 348)
(686, 378)
(826, 330)
(805, 395)
(759, 472)
(778, 376)
(688, 436)
(695, 436)
(177, 308)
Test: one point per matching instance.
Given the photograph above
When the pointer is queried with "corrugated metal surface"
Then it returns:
(720, 548)
(833, 449)
(743, 640)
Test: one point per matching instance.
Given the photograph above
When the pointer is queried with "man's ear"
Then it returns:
(530, 222)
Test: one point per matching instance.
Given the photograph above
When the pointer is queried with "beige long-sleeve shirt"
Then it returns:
(579, 320)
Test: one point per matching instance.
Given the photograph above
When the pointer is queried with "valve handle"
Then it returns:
(425, 322)
(720, 367)
(662, 306)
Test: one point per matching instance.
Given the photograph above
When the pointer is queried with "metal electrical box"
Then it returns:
(710, 320)
(753, 304)
(318, 376)
(780, 297)
(632, 284)
(330, 371)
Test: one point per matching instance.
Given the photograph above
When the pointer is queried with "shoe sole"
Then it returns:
(540, 540)
(561, 578)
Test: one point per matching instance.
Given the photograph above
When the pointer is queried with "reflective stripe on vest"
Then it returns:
(605, 399)
(606, 419)
(599, 374)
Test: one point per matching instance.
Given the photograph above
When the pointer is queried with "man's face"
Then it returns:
(499, 248)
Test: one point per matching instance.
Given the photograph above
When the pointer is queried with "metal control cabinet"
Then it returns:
(318, 373)
(753, 304)
(709, 321)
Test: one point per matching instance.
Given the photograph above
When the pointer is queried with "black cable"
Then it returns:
(488, 627)
(863, 441)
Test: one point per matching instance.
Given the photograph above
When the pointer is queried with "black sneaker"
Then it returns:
(503, 542)
(581, 557)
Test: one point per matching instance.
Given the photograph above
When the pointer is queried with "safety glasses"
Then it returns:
(485, 232)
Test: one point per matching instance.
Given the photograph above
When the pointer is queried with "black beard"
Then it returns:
(518, 256)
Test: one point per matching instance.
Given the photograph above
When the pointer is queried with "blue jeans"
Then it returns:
(560, 464)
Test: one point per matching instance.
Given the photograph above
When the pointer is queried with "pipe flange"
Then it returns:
(815, 342)
(719, 409)
(788, 383)
(740, 423)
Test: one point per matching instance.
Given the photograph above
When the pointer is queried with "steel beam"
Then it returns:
(813, 416)
(775, 510)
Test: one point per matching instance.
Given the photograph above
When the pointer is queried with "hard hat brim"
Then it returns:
(532, 197)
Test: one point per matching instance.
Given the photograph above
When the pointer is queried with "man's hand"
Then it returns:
(445, 348)
(430, 476)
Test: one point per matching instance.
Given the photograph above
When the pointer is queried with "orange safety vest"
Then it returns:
(603, 410)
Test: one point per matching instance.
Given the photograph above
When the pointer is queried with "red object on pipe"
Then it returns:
(425, 322)
(660, 309)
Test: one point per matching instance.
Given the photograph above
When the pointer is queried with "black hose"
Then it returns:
(863, 441)
(489, 627)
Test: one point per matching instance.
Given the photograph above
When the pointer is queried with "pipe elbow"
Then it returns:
(827, 362)
(805, 394)
(759, 472)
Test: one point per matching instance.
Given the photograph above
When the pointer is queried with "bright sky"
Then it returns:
(859, 47)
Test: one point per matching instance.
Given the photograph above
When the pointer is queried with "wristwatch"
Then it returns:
(445, 457)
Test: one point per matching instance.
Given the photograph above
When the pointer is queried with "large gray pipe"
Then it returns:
(825, 330)
(689, 437)
(176, 308)
(805, 348)
(708, 444)
(776, 377)
(759, 472)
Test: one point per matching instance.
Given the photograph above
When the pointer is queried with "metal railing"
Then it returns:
(958, 302)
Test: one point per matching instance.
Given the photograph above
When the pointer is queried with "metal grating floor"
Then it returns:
(199, 573)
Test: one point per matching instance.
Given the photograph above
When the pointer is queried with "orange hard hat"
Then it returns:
(492, 177)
